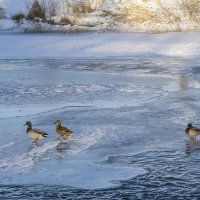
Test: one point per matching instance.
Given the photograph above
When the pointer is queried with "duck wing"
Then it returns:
(196, 129)
(66, 130)
(44, 134)
(187, 131)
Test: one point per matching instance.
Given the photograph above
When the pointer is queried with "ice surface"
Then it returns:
(6, 145)
(98, 45)
(116, 108)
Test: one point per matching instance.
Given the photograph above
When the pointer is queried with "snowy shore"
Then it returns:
(101, 15)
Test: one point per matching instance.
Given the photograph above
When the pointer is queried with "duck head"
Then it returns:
(57, 123)
(189, 125)
(28, 123)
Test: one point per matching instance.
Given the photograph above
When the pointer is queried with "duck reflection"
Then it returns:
(182, 82)
(63, 146)
(191, 146)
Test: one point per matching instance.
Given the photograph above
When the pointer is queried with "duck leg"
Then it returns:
(59, 138)
(36, 140)
(194, 137)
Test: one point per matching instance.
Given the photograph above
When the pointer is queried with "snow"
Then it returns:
(98, 45)
(123, 16)
(7, 24)
(12, 7)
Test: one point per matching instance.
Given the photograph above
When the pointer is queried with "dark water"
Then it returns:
(129, 117)
(171, 175)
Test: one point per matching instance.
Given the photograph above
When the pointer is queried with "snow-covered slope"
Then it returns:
(119, 15)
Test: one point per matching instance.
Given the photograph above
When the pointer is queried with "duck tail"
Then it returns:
(44, 134)
(71, 132)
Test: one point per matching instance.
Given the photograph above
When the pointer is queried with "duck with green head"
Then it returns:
(35, 134)
(192, 131)
(61, 130)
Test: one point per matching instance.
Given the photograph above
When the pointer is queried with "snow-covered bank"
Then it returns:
(111, 15)
(98, 45)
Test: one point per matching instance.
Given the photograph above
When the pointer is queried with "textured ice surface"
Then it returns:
(116, 108)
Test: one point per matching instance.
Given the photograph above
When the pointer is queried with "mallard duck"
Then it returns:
(61, 130)
(35, 134)
(192, 132)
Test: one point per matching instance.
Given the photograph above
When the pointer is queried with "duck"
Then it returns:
(192, 132)
(35, 134)
(61, 130)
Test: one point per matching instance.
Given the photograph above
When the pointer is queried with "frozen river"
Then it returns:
(128, 118)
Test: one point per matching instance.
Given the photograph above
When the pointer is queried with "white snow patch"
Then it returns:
(7, 24)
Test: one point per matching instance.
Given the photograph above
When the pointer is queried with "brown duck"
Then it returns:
(192, 132)
(62, 131)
